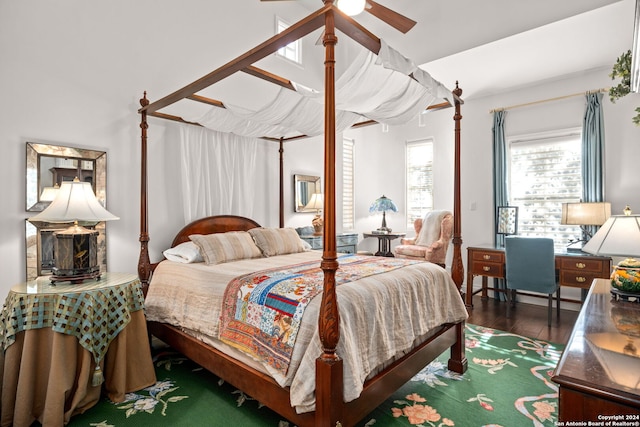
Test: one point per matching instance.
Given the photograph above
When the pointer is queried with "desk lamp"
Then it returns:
(584, 214)
(383, 204)
(76, 248)
(620, 236)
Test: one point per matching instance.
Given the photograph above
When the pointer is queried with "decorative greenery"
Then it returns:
(622, 70)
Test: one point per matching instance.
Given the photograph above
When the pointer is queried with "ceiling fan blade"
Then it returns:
(396, 20)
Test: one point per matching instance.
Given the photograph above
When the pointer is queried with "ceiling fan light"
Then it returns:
(351, 7)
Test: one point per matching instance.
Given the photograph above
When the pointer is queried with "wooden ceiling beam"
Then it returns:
(291, 34)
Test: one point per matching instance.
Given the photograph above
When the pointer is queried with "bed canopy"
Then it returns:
(379, 86)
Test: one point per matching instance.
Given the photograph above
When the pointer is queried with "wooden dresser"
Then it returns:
(575, 270)
(599, 374)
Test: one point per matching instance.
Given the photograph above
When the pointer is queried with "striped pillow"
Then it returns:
(277, 241)
(225, 247)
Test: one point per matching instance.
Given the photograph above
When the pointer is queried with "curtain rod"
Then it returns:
(604, 89)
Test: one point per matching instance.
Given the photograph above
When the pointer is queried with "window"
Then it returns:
(545, 171)
(292, 51)
(419, 179)
(348, 156)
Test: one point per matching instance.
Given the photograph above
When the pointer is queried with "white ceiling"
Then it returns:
(496, 45)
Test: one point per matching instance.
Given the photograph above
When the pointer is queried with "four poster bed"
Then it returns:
(325, 379)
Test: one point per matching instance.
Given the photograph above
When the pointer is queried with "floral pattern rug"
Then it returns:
(507, 385)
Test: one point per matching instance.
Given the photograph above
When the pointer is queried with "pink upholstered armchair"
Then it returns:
(433, 234)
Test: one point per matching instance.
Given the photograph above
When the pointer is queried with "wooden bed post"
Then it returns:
(457, 268)
(281, 151)
(329, 377)
(144, 264)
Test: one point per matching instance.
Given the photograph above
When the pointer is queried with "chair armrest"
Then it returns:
(407, 241)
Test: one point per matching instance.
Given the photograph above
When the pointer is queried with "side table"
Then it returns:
(63, 343)
(384, 242)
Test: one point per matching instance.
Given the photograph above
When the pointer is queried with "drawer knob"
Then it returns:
(486, 256)
(485, 268)
(580, 265)
(581, 279)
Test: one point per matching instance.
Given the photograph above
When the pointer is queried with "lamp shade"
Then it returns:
(75, 201)
(49, 193)
(585, 213)
(316, 202)
(618, 236)
(383, 204)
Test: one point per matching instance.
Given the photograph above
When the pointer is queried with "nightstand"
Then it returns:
(384, 242)
(64, 343)
(346, 243)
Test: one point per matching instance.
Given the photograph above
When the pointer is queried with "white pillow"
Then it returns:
(186, 253)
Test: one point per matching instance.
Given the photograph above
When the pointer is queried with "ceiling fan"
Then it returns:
(391, 17)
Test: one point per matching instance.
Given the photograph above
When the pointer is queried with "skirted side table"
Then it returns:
(62, 344)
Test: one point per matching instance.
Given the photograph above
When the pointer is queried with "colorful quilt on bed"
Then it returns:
(263, 310)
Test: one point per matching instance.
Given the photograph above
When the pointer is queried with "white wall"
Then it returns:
(72, 74)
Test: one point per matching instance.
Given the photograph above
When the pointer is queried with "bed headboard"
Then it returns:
(212, 225)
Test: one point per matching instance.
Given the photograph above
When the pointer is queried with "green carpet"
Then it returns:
(507, 384)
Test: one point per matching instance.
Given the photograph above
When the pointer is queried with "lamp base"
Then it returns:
(318, 225)
(75, 277)
(76, 255)
(575, 246)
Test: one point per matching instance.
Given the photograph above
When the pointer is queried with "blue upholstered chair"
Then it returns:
(530, 264)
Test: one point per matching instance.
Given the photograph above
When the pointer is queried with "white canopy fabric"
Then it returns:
(387, 88)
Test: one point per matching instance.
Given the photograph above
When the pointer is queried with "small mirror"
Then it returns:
(507, 220)
(303, 188)
(50, 165)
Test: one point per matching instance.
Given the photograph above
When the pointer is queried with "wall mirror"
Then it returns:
(303, 188)
(46, 166)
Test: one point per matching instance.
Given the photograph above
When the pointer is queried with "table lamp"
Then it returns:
(584, 214)
(49, 193)
(620, 236)
(76, 248)
(316, 203)
(383, 204)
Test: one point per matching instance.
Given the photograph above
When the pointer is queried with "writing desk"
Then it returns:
(575, 269)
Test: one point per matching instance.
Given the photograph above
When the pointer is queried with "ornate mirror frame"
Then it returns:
(90, 165)
(303, 187)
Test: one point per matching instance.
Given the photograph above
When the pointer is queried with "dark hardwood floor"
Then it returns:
(529, 320)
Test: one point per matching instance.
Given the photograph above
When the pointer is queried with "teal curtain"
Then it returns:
(592, 152)
(500, 191)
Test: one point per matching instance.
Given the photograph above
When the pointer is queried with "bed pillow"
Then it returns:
(277, 241)
(186, 253)
(224, 247)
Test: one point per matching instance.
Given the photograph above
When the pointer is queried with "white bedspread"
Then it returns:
(381, 316)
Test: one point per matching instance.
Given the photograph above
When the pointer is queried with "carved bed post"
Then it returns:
(329, 377)
(144, 270)
(281, 151)
(457, 269)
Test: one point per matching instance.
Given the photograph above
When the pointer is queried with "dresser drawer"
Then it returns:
(583, 264)
(492, 269)
(577, 279)
(347, 239)
(488, 256)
